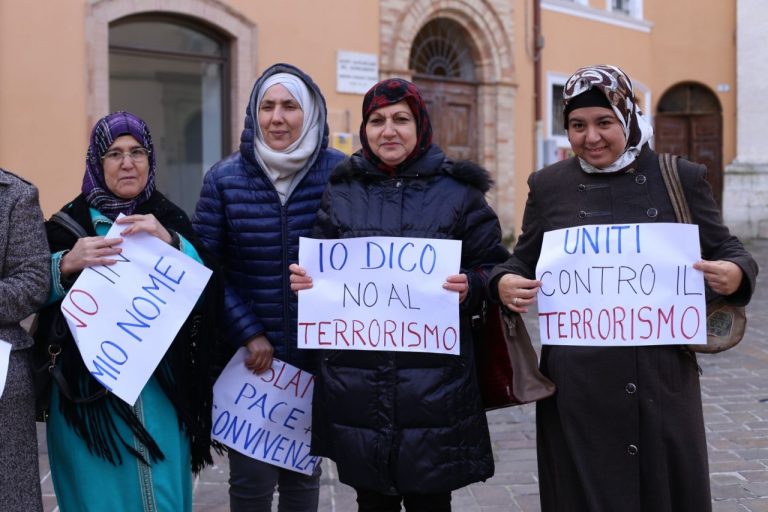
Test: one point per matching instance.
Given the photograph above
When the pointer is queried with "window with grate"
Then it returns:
(441, 48)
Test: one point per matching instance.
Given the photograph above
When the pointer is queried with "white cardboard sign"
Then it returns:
(379, 293)
(622, 285)
(267, 416)
(5, 356)
(125, 316)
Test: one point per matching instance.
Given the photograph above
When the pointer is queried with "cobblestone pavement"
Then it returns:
(734, 391)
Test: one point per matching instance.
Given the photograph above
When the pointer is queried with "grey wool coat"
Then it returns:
(24, 281)
(625, 429)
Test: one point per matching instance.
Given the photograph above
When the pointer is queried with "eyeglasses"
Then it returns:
(116, 157)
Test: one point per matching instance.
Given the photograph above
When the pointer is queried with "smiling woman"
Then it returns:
(623, 408)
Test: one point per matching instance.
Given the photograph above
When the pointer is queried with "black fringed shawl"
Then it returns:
(184, 373)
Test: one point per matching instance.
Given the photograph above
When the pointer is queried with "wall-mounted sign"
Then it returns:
(356, 72)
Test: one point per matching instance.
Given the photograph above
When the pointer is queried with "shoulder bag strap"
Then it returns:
(668, 164)
(66, 221)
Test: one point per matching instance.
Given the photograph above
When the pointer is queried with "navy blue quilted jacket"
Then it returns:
(241, 220)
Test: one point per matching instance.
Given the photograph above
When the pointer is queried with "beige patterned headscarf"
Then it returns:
(617, 88)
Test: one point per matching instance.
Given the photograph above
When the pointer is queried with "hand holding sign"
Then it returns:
(124, 316)
(267, 416)
(379, 293)
(621, 285)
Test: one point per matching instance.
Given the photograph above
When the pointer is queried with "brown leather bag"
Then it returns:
(506, 362)
(726, 323)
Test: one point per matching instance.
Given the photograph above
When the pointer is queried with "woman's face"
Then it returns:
(596, 135)
(391, 133)
(280, 118)
(126, 167)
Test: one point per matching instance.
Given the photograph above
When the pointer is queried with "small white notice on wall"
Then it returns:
(356, 72)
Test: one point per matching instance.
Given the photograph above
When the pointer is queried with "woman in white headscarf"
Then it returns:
(625, 429)
(254, 206)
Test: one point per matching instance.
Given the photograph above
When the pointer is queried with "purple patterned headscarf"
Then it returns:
(388, 92)
(104, 133)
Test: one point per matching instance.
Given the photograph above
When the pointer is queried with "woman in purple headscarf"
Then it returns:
(104, 453)
(406, 427)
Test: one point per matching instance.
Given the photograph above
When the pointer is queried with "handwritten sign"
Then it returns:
(5, 356)
(267, 416)
(621, 285)
(379, 293)
(125, 316)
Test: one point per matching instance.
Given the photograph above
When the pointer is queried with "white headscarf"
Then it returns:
(282, 166)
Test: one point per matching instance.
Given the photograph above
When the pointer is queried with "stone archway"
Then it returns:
(689, 123)
(488, 26)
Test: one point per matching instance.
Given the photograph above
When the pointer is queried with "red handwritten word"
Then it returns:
(381, 335)
(619, 323)
(87, 309)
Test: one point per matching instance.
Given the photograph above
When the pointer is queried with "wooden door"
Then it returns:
(696, 137)
(452, 109)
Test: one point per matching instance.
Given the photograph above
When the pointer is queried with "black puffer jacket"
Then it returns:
(395, 422)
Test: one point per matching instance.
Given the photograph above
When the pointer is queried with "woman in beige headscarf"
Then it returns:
(625, 429)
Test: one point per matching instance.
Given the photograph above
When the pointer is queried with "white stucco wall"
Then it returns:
(745, 196)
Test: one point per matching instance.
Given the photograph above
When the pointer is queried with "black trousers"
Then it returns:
(370, 501)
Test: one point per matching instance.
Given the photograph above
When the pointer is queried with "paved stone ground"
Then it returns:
(735, 395)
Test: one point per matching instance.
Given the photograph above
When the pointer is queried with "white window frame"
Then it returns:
(582, 9)
(635, 8)
(554, 79)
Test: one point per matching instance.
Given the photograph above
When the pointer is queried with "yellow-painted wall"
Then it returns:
(43, 128)
(44, 77)
(45, 89)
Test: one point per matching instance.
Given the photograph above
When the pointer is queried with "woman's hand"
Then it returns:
(517, 292)
(146, 223)
(260, 357)
(724, 277)
(457, 283)
(299, 278)
(90, 251)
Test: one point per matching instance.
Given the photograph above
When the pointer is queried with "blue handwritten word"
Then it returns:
(263, 443)
(145, 307)
(377, 257)
(368, 296)
(588, 238)
(593, 279)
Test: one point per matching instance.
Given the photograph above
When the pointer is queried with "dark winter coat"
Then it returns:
(241, 220)
(183, 374)
(625, 429)
(395, 422)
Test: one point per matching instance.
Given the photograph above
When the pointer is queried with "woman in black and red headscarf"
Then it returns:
(406, 427)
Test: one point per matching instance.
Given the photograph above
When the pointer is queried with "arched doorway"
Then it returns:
(689, 123)
(442, 60)
(173, 72)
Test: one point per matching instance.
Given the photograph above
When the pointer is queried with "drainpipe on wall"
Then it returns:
(538, 46)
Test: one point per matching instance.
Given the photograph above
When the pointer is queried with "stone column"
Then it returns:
(745, 194)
